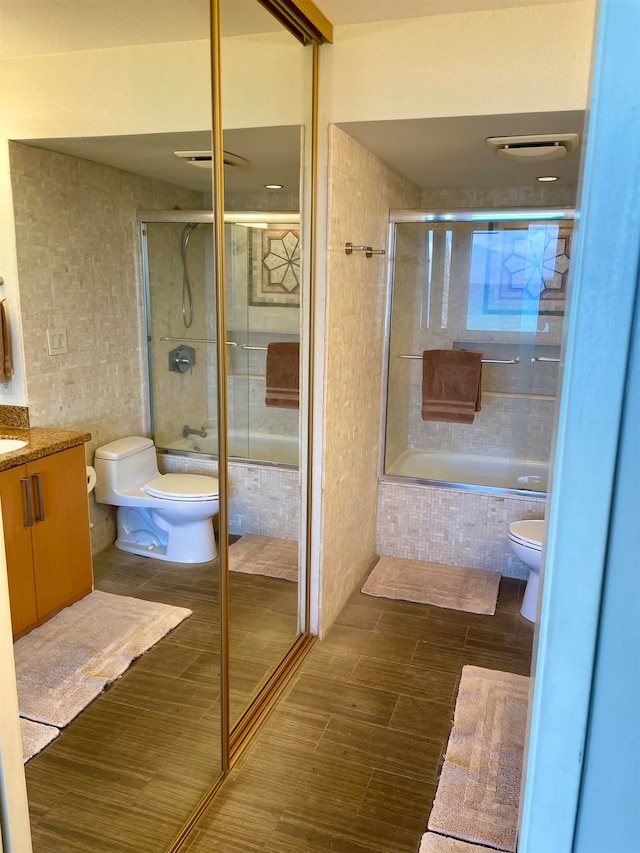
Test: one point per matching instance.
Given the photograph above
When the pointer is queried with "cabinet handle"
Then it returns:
(37, 479)
(26, 495)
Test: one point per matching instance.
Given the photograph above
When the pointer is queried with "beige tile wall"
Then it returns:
(452, 526)
(362, 189)
(485, 198)
(79, 269)
(180, 398)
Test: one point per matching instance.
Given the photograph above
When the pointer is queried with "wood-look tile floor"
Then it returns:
(127, 773)
(349, 759)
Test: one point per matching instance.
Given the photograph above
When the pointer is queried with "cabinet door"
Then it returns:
(61, 539)
(17, 542)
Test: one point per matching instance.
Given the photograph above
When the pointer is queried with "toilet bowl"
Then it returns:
(163, 516)
(525, 538)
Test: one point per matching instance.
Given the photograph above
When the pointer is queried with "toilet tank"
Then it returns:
(123, 465)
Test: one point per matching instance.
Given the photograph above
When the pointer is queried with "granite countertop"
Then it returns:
(41, 442)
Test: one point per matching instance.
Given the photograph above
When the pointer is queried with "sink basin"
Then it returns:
(9, 444)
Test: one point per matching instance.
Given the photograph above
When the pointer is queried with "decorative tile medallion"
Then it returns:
(524, 270)
(278, 283)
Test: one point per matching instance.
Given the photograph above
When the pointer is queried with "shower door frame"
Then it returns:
(397, 217)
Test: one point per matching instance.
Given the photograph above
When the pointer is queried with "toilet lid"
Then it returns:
(528, 533)
(183, 487)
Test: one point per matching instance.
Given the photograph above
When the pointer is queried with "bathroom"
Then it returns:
(103, 390)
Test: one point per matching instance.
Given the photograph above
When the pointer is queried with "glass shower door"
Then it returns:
(181, 333)
(488, 283)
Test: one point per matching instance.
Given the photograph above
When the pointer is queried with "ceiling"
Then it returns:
(30, 27)
(452, 151)
(442, 152)
(270, 155)
(365, 11)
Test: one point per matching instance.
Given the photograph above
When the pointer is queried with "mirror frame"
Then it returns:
(308, 25)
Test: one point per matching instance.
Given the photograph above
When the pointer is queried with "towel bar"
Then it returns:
(544, 358)
(198, 341)
(484, 360)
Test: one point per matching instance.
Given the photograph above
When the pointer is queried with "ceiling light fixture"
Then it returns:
(547, 178)
(273, 186)
(528, 149)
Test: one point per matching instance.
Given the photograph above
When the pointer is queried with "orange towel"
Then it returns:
(6, 361)
(283, 375)
(451, 383)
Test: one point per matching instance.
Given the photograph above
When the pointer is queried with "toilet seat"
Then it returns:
(183, 487)
(527, 533)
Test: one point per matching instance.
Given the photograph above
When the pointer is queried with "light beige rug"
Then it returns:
(265, 555)
(432, 843)
(479, 789)
(65, 663)
(35, 736)
(455, 587)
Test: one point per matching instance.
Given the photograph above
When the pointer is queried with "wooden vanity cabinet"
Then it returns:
(46, 528)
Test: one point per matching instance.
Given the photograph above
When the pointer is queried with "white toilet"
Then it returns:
(164, 516)
(525, 538)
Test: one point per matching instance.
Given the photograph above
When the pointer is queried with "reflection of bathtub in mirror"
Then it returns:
(255, 447)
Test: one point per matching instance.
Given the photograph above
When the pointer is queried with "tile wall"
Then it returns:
(79, 270)
(362, 189)
(452, 526)
(180, 398)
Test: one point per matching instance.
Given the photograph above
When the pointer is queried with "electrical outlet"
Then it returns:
(57, 341)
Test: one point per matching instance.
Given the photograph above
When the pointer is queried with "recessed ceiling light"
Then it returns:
(273, 186)
(547, 178)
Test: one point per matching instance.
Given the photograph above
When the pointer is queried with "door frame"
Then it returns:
(595, 363)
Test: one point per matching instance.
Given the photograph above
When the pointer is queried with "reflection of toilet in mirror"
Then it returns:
(164, 516)
(525, 538)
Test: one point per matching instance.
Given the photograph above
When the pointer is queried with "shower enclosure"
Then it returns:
(181, 322)
(493, 282)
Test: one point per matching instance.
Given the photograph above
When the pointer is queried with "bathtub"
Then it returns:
(255, 447)
(480, 472)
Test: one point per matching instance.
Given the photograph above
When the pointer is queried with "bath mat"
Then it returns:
(479, 789)
(432, 843)
(35, 736)
(264, 555)
(65, 663)
(454, 587)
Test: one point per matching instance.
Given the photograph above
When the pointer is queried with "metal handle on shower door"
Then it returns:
(37, 479)
(26, 497)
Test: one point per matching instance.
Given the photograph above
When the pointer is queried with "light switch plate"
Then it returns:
(57, 341)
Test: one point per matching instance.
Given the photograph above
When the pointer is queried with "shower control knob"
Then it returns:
(182, 359)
